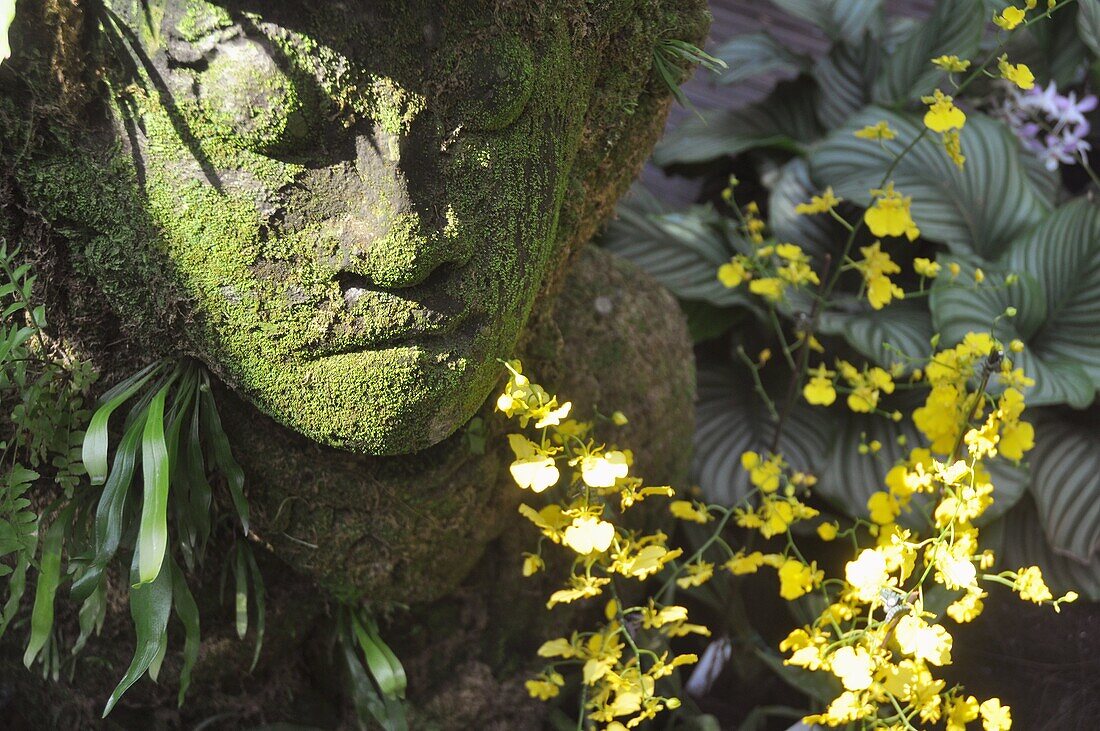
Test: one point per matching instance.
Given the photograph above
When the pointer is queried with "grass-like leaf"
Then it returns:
(153, 530)
(95, 438)
(150, 605)
(48, 578)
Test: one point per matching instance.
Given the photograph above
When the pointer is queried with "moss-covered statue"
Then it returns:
(351, 212)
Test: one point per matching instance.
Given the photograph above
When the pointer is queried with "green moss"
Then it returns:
(250, 102)
(201, 18)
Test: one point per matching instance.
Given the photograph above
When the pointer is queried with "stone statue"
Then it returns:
(351, 212)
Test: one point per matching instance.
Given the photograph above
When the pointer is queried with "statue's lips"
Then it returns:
(374, 318)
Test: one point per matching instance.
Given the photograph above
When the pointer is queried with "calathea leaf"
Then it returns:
(1065, 482)
(845, 20)
(1088, 23)
(731, 419)
(751, 55)
(955, 27)
(817, 235)
(844, 78)
(898, 334)
(682, 251)
(1025, 544)
(976, 210)
(959, 306)
(784, 121)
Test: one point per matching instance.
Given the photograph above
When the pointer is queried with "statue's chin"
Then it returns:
(379, 402)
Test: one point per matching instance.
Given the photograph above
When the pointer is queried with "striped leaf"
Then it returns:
(977, 210)
(1088, 23)
(1065, 467)
(955, 27)
(891, 335)
(731, 419)
(785, 121)
(1057, 299)
(682, 251)
(845, 20)
(844, 77)
(1025, 544)
(751, 55)
(816, 235)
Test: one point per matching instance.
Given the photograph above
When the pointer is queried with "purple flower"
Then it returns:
(1050, 125)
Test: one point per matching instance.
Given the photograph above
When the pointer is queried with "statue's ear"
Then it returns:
(51, 42)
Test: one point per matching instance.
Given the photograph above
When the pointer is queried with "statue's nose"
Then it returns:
(403, 230)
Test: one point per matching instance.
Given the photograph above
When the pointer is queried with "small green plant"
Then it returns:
(375, 678)
(668, 52)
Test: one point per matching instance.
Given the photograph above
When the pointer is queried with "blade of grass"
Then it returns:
(188, 613)
(150, 605)
(94, 450)
(49, 577)
(153, 531)
(223, 454)
(258, 595)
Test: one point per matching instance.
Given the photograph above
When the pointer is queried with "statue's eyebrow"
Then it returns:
(129, 53)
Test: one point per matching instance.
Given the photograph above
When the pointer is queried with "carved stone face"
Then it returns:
(357, 201)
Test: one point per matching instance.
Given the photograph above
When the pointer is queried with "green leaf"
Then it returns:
(17, 584)
(223, 453)
(240, 576)
(849, 477)
(188, 613)
(844, 77)
(390, 680)
(751, 55)
(150, 605)
(153, 530)
(259, 593)
(1088, 23)
(976, 210)
(731, 419)
(817, 235)
(390, 714)
(842, 19)
(110, 510)
(92, 614)
(784, 121)
(49, 576)
(884, 336)
(95, 438)
(959, 306)
(1026, 544)
(1063, 254)
(682, 251)
(954, 28)
(7, 15)
(199, 494)
(1065, 469)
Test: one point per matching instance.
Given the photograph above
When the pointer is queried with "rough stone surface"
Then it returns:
(349, 212)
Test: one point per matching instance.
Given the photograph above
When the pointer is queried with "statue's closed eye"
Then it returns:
(247, 97)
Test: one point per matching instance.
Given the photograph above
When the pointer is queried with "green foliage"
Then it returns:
(376, 680)
(844, 20)
(669, 54)
(175, 483)
(1002, 212)
(976, 210)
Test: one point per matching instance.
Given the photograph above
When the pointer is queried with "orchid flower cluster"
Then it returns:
(916, 554)
(1050, 125)
(622, 661)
